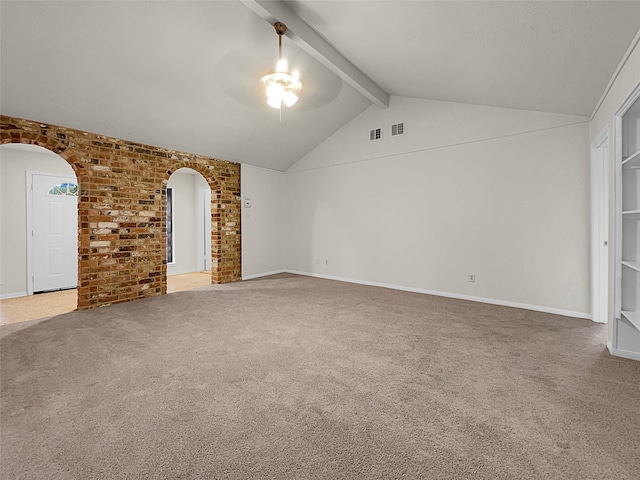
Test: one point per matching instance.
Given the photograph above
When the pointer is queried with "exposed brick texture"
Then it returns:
(121, 210)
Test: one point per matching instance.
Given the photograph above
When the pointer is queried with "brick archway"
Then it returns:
(71, 159)
(225, 218)
(216, 212)
(122, 227)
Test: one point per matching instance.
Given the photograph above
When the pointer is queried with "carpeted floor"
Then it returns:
(294, 377)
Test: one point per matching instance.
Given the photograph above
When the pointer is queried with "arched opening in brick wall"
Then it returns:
(188, 230)
(121, 249)
(215, 195)
(39, 246)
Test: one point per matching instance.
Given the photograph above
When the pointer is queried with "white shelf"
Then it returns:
(633, 318)
(625, 334)
(632, 214)
(632, 161)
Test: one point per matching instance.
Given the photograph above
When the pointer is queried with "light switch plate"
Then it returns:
(247, 204)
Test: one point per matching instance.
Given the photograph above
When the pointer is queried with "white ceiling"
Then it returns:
(181, 75)
(551, 56)
(184, 75)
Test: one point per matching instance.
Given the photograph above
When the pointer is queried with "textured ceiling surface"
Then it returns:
(184, 75)
(180, 75)
(551, 56)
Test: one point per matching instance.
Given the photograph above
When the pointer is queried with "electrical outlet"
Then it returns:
(472, 278)
(317, 261)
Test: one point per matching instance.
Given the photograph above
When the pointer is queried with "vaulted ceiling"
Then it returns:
(184, 75)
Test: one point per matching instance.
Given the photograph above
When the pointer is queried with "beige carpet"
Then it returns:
(293, 377)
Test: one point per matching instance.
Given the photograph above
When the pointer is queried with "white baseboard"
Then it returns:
(625, 354)
(491, 301)
(265, 274)
(4, 296)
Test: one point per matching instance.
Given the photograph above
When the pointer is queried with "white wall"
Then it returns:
(15, 161)
(500, 193)
(185, 184)
(262, 223)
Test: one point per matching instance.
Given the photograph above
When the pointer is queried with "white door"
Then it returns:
(54, 225)
(600, 228)
(203, 229)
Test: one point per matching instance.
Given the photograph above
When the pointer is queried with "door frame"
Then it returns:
(29, 211)
(600, 190)
(203, 228)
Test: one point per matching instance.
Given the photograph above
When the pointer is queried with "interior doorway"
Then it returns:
(188, 223)
(38, 233)
(600, 227)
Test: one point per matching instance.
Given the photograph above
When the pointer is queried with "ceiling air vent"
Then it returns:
(397, 129)
(375, 134)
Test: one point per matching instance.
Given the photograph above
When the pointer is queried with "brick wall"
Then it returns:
(121, 210)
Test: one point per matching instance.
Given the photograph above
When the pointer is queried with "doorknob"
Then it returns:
(606, 243)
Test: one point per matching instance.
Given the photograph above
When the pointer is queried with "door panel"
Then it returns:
(203, 229)
(600, 230)
(55, 218)
(55, 233)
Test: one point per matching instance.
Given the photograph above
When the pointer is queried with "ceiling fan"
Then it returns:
(281, 86)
